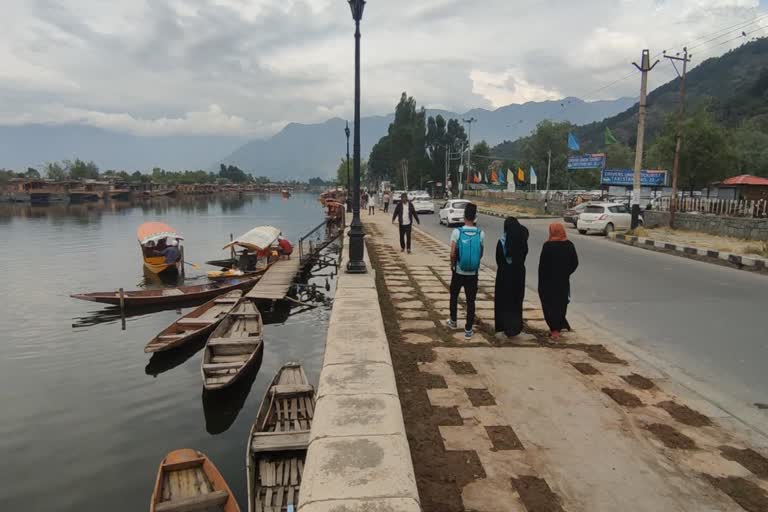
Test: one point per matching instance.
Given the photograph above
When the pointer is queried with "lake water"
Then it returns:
(85, 415)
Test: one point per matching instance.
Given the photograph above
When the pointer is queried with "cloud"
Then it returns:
(250, 66)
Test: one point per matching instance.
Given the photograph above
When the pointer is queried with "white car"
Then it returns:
(452, 212)
(605, 218)
(396, 195)
(423, 204)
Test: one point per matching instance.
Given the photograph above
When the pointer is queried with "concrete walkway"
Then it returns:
(573, 426)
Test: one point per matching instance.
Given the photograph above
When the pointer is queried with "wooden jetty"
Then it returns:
(276, 281)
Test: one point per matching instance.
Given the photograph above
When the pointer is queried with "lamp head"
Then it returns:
(357, 7)
(346, 130)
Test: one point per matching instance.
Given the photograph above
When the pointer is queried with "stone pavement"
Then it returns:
(524, 424)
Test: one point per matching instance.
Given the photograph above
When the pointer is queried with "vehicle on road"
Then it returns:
(423, 204)
(452, 212)
(396, 195)
(571, 215)
(604, 218)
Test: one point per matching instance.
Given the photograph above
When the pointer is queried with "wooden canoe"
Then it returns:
(233, 347)
(199, 322)
(177, 295)
(188, 481)
(278, 441)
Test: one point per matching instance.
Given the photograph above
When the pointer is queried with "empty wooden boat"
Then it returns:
(234, 346)
(278, 441)
(177, 295)
(188, 481)
(197, 323)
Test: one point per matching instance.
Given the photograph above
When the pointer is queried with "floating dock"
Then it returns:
(276, 281)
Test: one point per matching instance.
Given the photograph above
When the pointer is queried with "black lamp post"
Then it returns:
(356, 265)
(349, 188)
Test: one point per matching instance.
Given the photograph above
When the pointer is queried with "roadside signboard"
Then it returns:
(626, 177)
(593, 161)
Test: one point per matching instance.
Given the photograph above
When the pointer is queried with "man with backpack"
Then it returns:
(467, 243)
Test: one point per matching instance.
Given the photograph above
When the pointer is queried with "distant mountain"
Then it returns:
(34, 145)
(300, 151)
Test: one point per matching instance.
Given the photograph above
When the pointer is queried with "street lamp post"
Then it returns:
(356, 265)
(349, 188)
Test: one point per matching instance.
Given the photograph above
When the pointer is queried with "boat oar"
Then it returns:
(191, 264)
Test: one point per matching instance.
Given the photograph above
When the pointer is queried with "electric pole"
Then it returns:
(469, 146)
(644, 68)
(679, 133)
(549, 168)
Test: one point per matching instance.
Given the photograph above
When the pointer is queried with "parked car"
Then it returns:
(571, 216)
(396, 195)
(423, 204)
(604, 218)
(452, 212)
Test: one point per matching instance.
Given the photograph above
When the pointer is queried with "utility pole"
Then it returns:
(679, 133)
(447, 164)
(549, 168)
(644, 68)
(469, 147)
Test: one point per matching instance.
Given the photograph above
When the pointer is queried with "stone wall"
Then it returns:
(358, 459)
(521, 199)
(749, 229)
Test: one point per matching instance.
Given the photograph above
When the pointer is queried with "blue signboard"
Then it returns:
(595, 161)
(626, 177)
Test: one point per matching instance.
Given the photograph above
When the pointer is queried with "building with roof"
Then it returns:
(743, 187)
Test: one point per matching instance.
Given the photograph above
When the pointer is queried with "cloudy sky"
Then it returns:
(248, 67)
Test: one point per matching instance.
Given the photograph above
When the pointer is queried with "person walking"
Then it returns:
(509, 292)
(364, 200)
(558, 261)
(405, 214)
(387, 197)
(372, 204)
(467, 244)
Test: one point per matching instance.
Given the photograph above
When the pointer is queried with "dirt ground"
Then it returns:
(707, 241)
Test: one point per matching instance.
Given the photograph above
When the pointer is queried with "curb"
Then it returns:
(494, 213)
(751, 263)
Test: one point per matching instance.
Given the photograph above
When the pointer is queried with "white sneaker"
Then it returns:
(452, 324)
(468, 334)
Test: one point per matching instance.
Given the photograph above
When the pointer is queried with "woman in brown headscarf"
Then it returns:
(558, 261)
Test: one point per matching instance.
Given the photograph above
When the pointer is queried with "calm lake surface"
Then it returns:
(85, 415)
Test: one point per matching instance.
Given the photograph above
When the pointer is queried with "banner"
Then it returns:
(626, 177)
(510, 181)
(573, 144)
(534, 178)
(594, 161)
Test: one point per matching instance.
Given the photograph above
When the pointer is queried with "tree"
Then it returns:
(407, 137)
(548, 136)
(481, 153)
(55, 171)
(341, 172)
(443, 136)
(81, 170)
(32, 173)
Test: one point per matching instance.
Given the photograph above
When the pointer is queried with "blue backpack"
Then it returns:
(469, 247)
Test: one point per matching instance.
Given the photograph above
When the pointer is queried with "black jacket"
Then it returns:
(398, 213)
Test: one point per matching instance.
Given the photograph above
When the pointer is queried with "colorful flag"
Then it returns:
(510, 181)
(573, 143)
(494, 177)
(534, 178)
(609, 138)
(520, 175)
(502, 181)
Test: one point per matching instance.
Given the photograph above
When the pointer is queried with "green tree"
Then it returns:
(548, 136)
(80, 170)
(407, 136)
(481, 153)
(443, 136)
(341, 172)
(56, 171)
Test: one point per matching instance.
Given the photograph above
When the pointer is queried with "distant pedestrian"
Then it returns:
(558, 261)
(364, 200)
(387, 198)
(509, 292)
(467, 243)
(405, 214)
(372, 204)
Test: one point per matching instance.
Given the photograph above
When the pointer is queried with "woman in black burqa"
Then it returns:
(558, 261)
(510, 277)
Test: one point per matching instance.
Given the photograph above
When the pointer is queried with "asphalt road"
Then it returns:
(704, 320)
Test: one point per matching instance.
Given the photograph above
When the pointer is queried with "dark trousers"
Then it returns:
(386, 206)
(371, 210)
(469, 283)
(405, 236)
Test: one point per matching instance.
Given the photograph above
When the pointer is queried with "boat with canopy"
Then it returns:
(156, 238)
(253, 251)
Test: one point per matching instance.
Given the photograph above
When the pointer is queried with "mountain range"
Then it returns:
(298, 151)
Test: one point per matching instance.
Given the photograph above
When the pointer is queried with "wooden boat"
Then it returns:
(234, 346)
(188, 481)
(154, 237)
(177, 295)
(195, 324)
(278, 441)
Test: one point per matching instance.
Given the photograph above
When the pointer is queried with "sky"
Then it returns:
(248, 67)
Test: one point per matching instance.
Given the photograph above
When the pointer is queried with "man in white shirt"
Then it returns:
(405, 213)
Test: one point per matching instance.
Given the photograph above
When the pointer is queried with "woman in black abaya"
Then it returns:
(558, 261)
(510, 278)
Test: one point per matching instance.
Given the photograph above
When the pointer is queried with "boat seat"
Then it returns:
(280, 441)
(226, 301)
(281, 390)
(172, 291)
(218, 342)
(194, 503)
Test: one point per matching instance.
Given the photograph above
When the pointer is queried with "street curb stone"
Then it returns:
(738, 261)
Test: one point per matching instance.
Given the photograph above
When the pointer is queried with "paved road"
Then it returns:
(702, 319)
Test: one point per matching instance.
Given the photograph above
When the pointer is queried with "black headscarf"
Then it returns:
(516, 243)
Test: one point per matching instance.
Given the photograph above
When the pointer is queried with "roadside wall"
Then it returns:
(749, 229)
(521, 199)
(358, 458)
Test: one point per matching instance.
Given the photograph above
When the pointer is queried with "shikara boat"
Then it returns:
(177, 295)
(278, 441)
(188, 481)
(154, 237)
(233, 347)
(195, 324)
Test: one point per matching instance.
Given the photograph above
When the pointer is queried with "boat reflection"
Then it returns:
(161, 362)
(222, 407)
(111, 314)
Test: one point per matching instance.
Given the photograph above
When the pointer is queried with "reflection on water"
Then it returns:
(79, 393)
